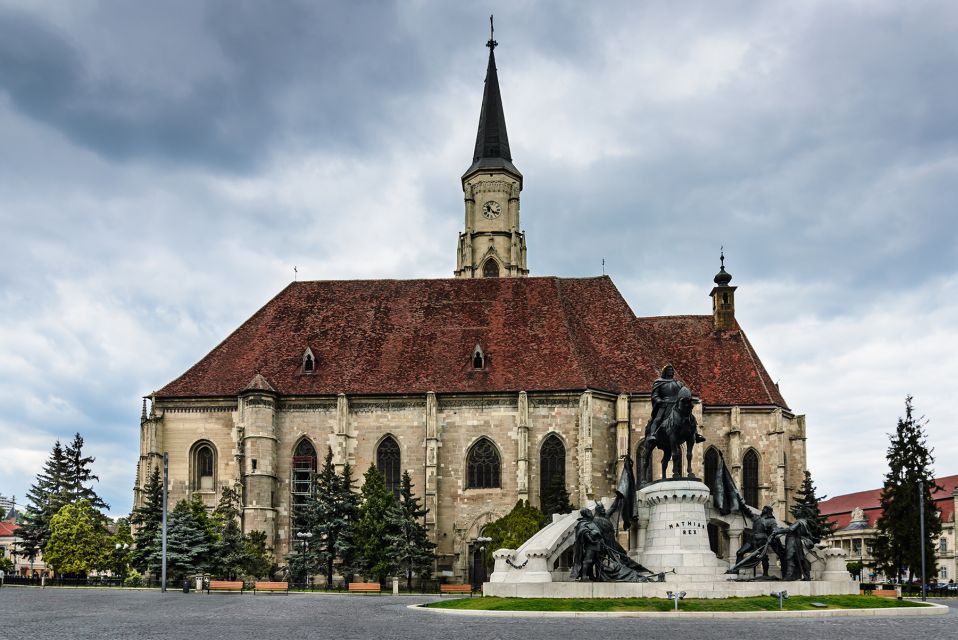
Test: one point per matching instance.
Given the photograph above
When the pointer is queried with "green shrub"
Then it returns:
(133, 579)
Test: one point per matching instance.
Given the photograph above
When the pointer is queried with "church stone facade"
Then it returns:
(486, 387)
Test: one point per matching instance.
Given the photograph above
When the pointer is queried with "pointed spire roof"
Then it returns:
(723, 277)
(259, 383)
(492, 141)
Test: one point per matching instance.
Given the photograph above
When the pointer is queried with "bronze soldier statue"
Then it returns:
(587, 552)
(763, 526)
(799, 539)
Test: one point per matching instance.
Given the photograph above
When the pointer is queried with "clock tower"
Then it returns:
(492, 245)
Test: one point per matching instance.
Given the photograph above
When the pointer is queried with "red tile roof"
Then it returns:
(839, 508)
(8, 529)
(413, 336)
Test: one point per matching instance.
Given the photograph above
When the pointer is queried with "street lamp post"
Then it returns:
(483, 541)
(921, 520)
(305, 537)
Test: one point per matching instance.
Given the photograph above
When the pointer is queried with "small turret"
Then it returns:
(723, 298)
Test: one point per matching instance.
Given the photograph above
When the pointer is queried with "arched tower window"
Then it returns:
(388, 463)
(750, 478)
(490, 269)
(309, 361)
(301, 483)
(711, 468)
(204, 467)
(483, 466)
(551, 472)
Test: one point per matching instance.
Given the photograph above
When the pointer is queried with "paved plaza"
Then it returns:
(103, 614)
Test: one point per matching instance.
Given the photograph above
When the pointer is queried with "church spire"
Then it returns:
(492, 244)
(492, 141)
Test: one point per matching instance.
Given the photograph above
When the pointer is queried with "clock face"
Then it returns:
(491, 209)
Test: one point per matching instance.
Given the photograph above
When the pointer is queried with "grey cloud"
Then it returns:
(295, 73)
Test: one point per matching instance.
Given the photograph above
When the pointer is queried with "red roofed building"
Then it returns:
(23, 565)
(856, 515)
(486, 387)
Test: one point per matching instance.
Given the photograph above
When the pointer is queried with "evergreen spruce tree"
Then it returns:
(148, 519)
(45, 497)
(556, 497)
(806, 502)
(229, 557)
(209, 524)
(186, 545)
(323, 518)
(79, 475)
(375, 527)
(259, 560)
(329, 514)
(411, 547)
(349, 514)
(898, 545)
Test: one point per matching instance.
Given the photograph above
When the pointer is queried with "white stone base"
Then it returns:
(714, 589)
(677, 536)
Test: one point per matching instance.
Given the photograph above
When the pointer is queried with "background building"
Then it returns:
(486, 387)
(856, 515)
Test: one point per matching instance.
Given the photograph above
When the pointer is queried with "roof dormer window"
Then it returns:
(309, 361)
(478, 358)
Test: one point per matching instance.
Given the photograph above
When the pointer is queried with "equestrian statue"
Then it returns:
(671, 425)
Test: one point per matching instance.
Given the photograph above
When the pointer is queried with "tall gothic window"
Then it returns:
(204, 467)
(301, 482)
(387, 461)
(551, 469)
(711, 468)
(483, 466)
(750, 478)
(490, 269)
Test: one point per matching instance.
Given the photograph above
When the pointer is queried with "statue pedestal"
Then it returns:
(677, 534)
(835, 564)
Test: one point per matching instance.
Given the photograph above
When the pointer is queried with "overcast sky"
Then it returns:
(163, 166)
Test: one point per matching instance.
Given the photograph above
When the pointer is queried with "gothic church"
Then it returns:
(487, 387)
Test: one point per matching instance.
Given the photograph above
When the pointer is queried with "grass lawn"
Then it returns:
(759, 603)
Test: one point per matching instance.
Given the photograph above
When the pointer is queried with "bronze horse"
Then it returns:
(680, 427)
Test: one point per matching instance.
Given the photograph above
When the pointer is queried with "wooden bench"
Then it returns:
(225, 585)
(882, 593)
(364, 587)
(455, 588)
(271, 586)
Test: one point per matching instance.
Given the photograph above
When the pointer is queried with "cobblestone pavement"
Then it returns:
(103, 614)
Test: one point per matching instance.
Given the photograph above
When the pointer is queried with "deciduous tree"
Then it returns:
(78, 542)
(512, 529)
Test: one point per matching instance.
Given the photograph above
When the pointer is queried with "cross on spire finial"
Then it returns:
(722, 255)
(492, 44)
